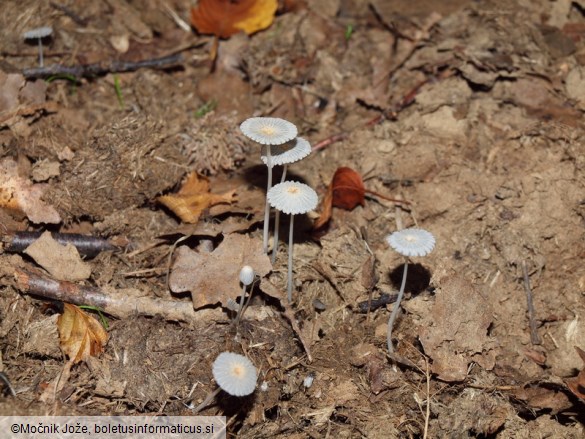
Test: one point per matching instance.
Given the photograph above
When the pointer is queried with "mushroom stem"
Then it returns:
(290, 258)
(396, 307)
(241, 310)
(267, 208)
(207, 400)
(40, 52)
(277, 222)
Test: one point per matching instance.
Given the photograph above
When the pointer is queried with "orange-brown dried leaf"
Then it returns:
(224, 18)
(577, 384)
(193, 198)
(81, 334)
(346, 190)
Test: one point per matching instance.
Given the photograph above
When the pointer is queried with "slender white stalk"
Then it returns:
(267, 208)
(396, 308)
(40, 52)
(290, 258)
(277, 223)
(207, 400)
(241, 310)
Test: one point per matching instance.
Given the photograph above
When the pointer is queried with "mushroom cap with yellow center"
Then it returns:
(293, 197)
(269, 130)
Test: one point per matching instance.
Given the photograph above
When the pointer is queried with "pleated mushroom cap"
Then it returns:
(269, 130)
(285, 154)
(412, 242)
(40, 32)
(235, 374)
(292, 197)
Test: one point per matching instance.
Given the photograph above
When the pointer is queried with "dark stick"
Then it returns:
(534, 337)
(97, 69)
(89, 246)
(67, 11)
(383, 300)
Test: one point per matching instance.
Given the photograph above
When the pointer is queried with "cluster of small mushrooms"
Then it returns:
(234, 373)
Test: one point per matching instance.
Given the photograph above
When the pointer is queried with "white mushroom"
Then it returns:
(286, 154)
(246, 278)
(268, 131)
(407, 242)
(38, 34)
(234, 374)
(293, 198)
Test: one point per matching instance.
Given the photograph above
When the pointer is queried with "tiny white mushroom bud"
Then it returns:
(247, 275)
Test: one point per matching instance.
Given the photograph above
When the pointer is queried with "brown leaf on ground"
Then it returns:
(455, 332)
(20, 197)
(213, 278)
(193, 198)
(61, 261)
(543, 397)
(224, 18)
(81, 334)
(577, 384)
(346, 190)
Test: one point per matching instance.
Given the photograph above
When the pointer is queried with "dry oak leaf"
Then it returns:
(213, 278)
(193, 198)
(20, 197)
(81, 334)
(225, 18)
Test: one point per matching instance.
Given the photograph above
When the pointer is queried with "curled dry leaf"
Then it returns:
(20, 197)
(577, 384)
(81, 334)
(346, 190)
(224, 18)
(193, 198)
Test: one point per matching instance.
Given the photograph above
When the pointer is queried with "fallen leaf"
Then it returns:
(20, 197)
(455, 332)
(225, 18)
(213, 278)
(81, 334)
(346, 190)
(577, 384)
(61, 261)
(193, 198)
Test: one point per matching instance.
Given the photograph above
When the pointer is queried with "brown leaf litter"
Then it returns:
(454, 333)
(61, 261)
(213, 278)
(193, 198)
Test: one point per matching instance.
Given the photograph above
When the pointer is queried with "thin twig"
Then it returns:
(534, 337)
(115, 303)
(428, 413)
(97, 69)
(329, 140)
